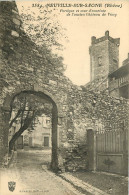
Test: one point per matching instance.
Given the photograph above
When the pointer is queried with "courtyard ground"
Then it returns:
(109, 183)
(29, 169)
(29, 172)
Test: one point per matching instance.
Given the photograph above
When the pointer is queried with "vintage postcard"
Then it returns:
(64, 97)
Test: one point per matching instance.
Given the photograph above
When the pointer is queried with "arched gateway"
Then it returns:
(27, 70)
(42, 95)
(24, 68)
(54, 160)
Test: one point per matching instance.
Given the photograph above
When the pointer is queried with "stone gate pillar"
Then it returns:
(4, 127)
(125, 166)
(91, 142)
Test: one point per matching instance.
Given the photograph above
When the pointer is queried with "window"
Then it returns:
(100, 60)
(115, 62)
(47, 121)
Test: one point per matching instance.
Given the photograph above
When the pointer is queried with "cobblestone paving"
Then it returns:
(31, 178)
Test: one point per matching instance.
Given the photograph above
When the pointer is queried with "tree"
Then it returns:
(42, 25)
(25, 109)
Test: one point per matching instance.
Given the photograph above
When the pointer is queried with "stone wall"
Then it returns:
(27, 68)
(104, 56)
(96, 111)
(113, 49)
(99, 52)
(100, 84)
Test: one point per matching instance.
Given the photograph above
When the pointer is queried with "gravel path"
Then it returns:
(31, 178)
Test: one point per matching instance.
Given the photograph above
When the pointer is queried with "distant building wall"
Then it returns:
(104, 56)
(41, 134)
(113, 51)
(119, 81)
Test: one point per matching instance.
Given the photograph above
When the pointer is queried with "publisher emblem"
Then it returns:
(11, 185)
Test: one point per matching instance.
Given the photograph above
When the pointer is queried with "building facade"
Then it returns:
(40, 136)
(104, 56)
(104, 67)
(119, 81)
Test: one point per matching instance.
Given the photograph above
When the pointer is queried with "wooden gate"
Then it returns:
(109, 151)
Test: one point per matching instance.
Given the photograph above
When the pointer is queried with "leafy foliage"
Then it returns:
(27, 106)
(43, 26)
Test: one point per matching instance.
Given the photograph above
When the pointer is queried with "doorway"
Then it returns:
(46, 141)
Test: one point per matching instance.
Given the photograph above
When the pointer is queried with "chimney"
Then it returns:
(93, 39)
(107, 33)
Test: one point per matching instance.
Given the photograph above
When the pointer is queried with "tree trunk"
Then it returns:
(14, 138)
(18, 133)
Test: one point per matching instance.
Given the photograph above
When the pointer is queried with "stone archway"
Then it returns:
(42, 95)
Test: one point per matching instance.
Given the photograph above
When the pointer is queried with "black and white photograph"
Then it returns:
(64, 97)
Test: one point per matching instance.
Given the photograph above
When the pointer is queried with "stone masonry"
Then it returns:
(25, 68)
(104, 56)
